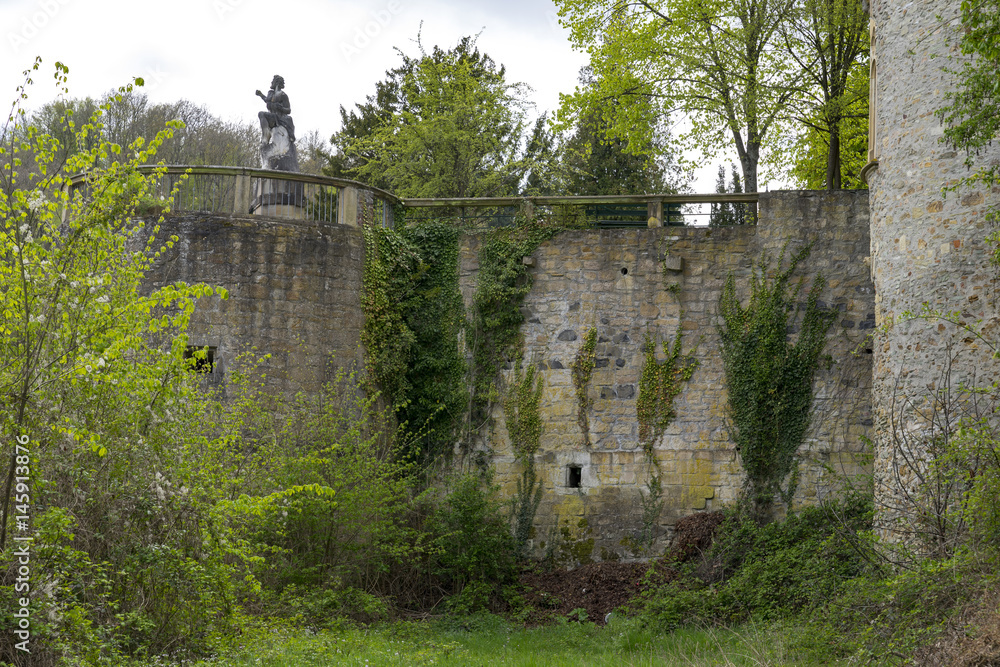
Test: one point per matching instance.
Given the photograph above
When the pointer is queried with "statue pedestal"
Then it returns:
(279, 199)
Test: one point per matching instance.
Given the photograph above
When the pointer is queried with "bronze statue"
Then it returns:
(277, 112)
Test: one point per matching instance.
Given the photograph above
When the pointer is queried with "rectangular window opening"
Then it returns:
(204, 358)
(574, 477)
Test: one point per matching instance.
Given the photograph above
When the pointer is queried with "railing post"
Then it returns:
(654, 211)
(347, 206)
(241, 200)
(528, 209)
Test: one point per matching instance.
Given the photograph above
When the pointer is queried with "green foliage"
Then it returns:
(432, 306)
(494, 333)
(583, 368)
(659, 384)
(769, 378)
(770, 572)
(972, 119)
(523, 419)
(828, 39)
(476, 551)
(702, 58)
(811, 154)
(385, 335)
(444, 124)
(724, 215)
(413, 316)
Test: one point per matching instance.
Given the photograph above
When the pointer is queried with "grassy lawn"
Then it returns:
(491, 641)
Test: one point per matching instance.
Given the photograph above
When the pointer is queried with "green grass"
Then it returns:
(488, 640)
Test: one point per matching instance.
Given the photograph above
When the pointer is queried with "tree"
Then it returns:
(828, 40)
(444, 124)
(717, 62)
(726, 214)
(71, 310)
(597, 162)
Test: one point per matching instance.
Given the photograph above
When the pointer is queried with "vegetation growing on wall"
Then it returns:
(583, 368)
(523, 418)
(769, 377)
(413, 317)
(659, 384)
(494, 330)
(434, 313)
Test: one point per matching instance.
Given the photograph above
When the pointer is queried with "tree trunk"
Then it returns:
(833, 160)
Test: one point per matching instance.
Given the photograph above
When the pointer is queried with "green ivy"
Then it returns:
(413, 316)
(434, 313)
(583, 368)
(494, 332)
(386, 337)
(522, 414)
(659, 385)
(770, 378)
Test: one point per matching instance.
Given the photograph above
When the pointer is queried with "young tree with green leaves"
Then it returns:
(828, 40)
(717, 63)
(444, 124)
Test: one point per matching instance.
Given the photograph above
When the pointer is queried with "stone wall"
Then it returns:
(927, 248)
(629, 283)
(294, 293)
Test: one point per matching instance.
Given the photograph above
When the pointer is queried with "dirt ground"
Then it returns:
(599, 588)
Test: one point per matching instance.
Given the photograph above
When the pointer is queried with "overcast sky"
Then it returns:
(330, 52)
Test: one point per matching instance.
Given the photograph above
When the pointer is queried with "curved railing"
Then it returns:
(242, 191)
(279, 194)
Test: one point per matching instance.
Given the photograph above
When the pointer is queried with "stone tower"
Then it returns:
(926, 248)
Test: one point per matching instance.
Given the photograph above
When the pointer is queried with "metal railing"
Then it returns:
(290, 195)
(586, 211)
(265, 192)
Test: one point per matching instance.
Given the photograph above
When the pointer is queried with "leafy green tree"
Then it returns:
(726, 214)
(810, 155)
(444, 124)
(828, 40)
(719, 63)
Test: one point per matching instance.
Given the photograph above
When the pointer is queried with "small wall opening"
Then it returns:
(624, 271)
(204, 363)
(574, 477)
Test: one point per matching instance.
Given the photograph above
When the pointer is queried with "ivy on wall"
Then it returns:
(583, 369)
(494, 329)
(385, 336)
(659, 385)
(413, 317)
(768, 376)
(522, 415)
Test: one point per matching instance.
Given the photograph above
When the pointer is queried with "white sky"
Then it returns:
(330, 52)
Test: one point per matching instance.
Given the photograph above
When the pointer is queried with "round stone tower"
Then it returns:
(936, 301)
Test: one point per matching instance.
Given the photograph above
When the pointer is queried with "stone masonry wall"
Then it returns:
(621, 281)
(294, 293)
(927, 248)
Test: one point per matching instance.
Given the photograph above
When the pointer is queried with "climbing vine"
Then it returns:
(659, 385)
(385, 336)
(494, 330)
(770, 378)
(583, 368)
(413, 317)
(522, 415)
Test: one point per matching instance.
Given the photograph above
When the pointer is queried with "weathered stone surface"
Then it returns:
(926, 249)
(294, 292)
(697, 463)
